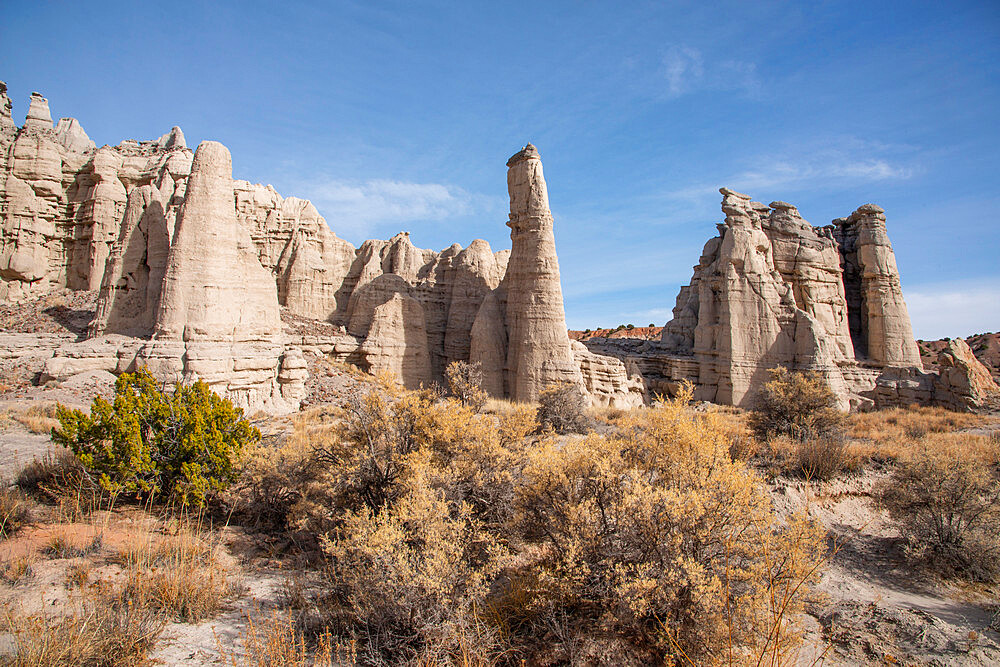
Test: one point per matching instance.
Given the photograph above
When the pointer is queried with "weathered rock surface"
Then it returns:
(191, 269)
(964, 382)
(607, 381)
(986, 347)
(63, 200)
(217, 302)
(195, 271)
(771, 290)
(880, 323)
(533, 343)
(766, 293)
(130, 291)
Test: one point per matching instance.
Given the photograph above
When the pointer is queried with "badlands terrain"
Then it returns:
(484, 547)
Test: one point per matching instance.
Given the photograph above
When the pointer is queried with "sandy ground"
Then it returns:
(877, 608)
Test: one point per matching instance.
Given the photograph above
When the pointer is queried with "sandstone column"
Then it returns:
(884, 321)
(218, 317)
(538, 349)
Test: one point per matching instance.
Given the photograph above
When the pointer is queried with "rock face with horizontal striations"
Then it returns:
(195, 270)
(538, 349)
(217, 303)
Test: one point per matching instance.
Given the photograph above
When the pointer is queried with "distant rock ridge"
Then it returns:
(194, 269)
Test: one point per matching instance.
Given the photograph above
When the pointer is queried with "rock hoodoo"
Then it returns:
(525, 324)
(217, 303)
(772, 290)
(200, 275)
(195, 272)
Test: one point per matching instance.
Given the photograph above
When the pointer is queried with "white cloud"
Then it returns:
(685, 71)
(954, 309)
(359, 207)
(846, 163)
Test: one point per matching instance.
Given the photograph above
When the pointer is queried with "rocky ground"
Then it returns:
(986, 347)
(874, 607)
(66, 312)
(643, 333)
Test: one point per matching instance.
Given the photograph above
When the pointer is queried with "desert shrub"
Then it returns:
(657, 540)
(454, 538)
(799, 405)
(380, 428)
(948, 507)
(182, 445)
(561, 409)
(101, 630)
(412, 495)
(15, 511)
(465, 382)
(412, 576)
(477, 459)
(822, 458)
(275, 478)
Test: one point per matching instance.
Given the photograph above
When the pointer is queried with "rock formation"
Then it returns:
(203, 276)
(130, 291)
(765, 293)
(195, 272)
(964, 382)
(217, 301)
(880, 324)
(62, 200)
(524, 323)
(771, 290)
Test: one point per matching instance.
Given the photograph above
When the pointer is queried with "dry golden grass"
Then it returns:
(39, 418)
(61, 480)
(61, 545)
(607, 414)
(15, 511)
(350, 369)
(78, 575)
(500, 406)
(277, 642)
(181, 575)
(99, 629)
(17, 569)
(888, 432)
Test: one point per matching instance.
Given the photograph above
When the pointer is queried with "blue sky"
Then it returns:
(400, 116)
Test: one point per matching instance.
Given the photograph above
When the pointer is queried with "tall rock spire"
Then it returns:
(38, 117)
(538, 348)
(879, 320)
(215, 287)
(218, 317)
